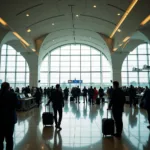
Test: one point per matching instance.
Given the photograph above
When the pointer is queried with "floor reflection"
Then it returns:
(81, 130)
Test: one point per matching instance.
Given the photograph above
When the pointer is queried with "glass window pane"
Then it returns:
(95, 58)
(56, 52)
(53, 63)
(95, 52)
(142, 57)
(85, 77)
(85, 58)
(65, 50)
(75, 64)
(64, 64)
(65, 69)
(132, 57)
(54, 77)
(75, 58)
(95, 77)
(85, 50)
(84, 68)
(75, 49)
(64, 77)
(44, 77)
(11, 58)
(55, 58)
(75, 76)
(142, 49)
(65, 58)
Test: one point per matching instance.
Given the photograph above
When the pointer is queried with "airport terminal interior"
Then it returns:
(76, 43)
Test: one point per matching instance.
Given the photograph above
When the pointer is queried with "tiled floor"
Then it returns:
(81, 130)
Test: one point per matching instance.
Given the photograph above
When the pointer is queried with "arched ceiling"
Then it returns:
(57, 22)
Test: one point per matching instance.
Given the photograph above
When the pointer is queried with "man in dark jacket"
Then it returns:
(8, 104)
(58, 104)
(85, 91)
(78, 94)
(146, 98)
(66, 93)
(117, 104)
(132, 95)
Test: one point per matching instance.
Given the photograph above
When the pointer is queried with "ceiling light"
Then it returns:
(120, 44)
(53, 24)
(77, 15)
(114, 49)
(94, 6)
(146, 20)
(20, 38)
(3, 22)
(27, 15)
(33, 50)
(28, 30)
(124, 17)
(118, 14)
(126, 39)
(53, 40)
(119, 30)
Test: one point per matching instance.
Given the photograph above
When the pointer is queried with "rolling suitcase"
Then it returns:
(98, 101)
(107, 126)
(47, 118)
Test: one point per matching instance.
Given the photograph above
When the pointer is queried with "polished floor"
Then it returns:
(81, 130)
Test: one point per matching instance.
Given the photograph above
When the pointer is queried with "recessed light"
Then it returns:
(33, 50)
(27, 15)
(53, 24)
(120, 44)
(126, 39)
(119, 30)
(77, 15)
(94, 6)
(118, 14)
(28, 30)
(114, 49)
(53, 40)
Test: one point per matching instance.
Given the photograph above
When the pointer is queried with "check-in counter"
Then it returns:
(26, 103)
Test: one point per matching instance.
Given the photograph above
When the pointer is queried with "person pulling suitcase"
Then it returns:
(117, 104)
(58, 104)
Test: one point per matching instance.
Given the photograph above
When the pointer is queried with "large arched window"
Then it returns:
(78, 62)
(132, 68)
(14, 68)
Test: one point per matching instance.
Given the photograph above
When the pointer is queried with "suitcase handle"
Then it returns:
(45, 108)
(107, 113)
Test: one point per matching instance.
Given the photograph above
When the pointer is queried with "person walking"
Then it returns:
(146, 100)
(95, 95)
(101, 94)
(8, 105)
(66, 93)
(117, 104)
(91, 94)
(85, 91)
(78, 94)
(58, 104)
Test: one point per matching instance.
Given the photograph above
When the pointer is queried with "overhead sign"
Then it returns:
(75, 81)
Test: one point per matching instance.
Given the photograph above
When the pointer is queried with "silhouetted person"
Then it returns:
(91, 94)
(85, 91)
(117, 104)
(37, 96)
(58, 104)
(8, 117)
(101, 93)
(146, 98)
(78, 91)
(66, 93)
(132, 95)
(95, 95)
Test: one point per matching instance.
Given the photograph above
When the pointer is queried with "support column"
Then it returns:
(32, 60)
(117, 61)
